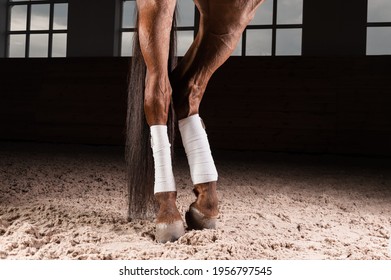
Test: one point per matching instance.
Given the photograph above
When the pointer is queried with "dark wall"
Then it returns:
(330, 105)
(334, 27)
(3, 26)
(63, 100)
(93, 26)
(296, 104)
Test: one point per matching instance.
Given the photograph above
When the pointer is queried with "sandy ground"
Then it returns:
(69, 202)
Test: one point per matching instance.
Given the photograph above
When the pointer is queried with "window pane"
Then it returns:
(185, 13)
(18, 18)
(288, 42)
(39, 45)
(259, 42)
(60, 16)
(379, 10)
(17, 45)
(264, 14)
(289, 11)
(59, 45)
(238, 49)
(128, 19)
(127, 43)
(378, 40)
(40, 17)
(185, 39)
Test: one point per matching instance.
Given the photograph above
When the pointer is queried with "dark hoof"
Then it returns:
(196, 220)
(169, 232)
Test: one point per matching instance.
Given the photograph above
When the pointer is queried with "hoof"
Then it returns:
(196, 220)
(169, 232)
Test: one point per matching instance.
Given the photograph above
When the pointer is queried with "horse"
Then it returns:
(163, 93)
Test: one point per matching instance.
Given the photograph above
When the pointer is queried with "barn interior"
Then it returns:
(298, 120)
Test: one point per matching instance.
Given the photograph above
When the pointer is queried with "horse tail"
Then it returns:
(138, 155)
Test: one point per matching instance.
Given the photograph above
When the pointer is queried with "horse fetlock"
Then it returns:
(207, 201)
(168, 211)
(169, 223)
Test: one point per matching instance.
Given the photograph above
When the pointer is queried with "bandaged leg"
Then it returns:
(196, 144)
(164, 177)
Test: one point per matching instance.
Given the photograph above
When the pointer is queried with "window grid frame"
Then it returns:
(373, 24)
(28, 32)
(274, 26)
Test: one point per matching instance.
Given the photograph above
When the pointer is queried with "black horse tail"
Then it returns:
(138, 155)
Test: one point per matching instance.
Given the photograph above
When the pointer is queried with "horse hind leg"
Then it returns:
(169, 224)
(154, 27)
(221, 25)
(204, 211)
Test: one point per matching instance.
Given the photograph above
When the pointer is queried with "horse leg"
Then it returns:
(155, 21)
(221, 25)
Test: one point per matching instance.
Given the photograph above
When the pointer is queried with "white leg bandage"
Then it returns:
(196, 144)
(164, 177)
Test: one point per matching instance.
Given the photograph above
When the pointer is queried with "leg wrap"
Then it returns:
(196, 144)
(164, 177)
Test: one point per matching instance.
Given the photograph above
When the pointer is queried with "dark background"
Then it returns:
(332, 99)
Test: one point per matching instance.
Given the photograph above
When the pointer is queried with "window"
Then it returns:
(275, 30)
(186, 22)
(128, 27)
(37, 28)
(379, 27)
(185, 26)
